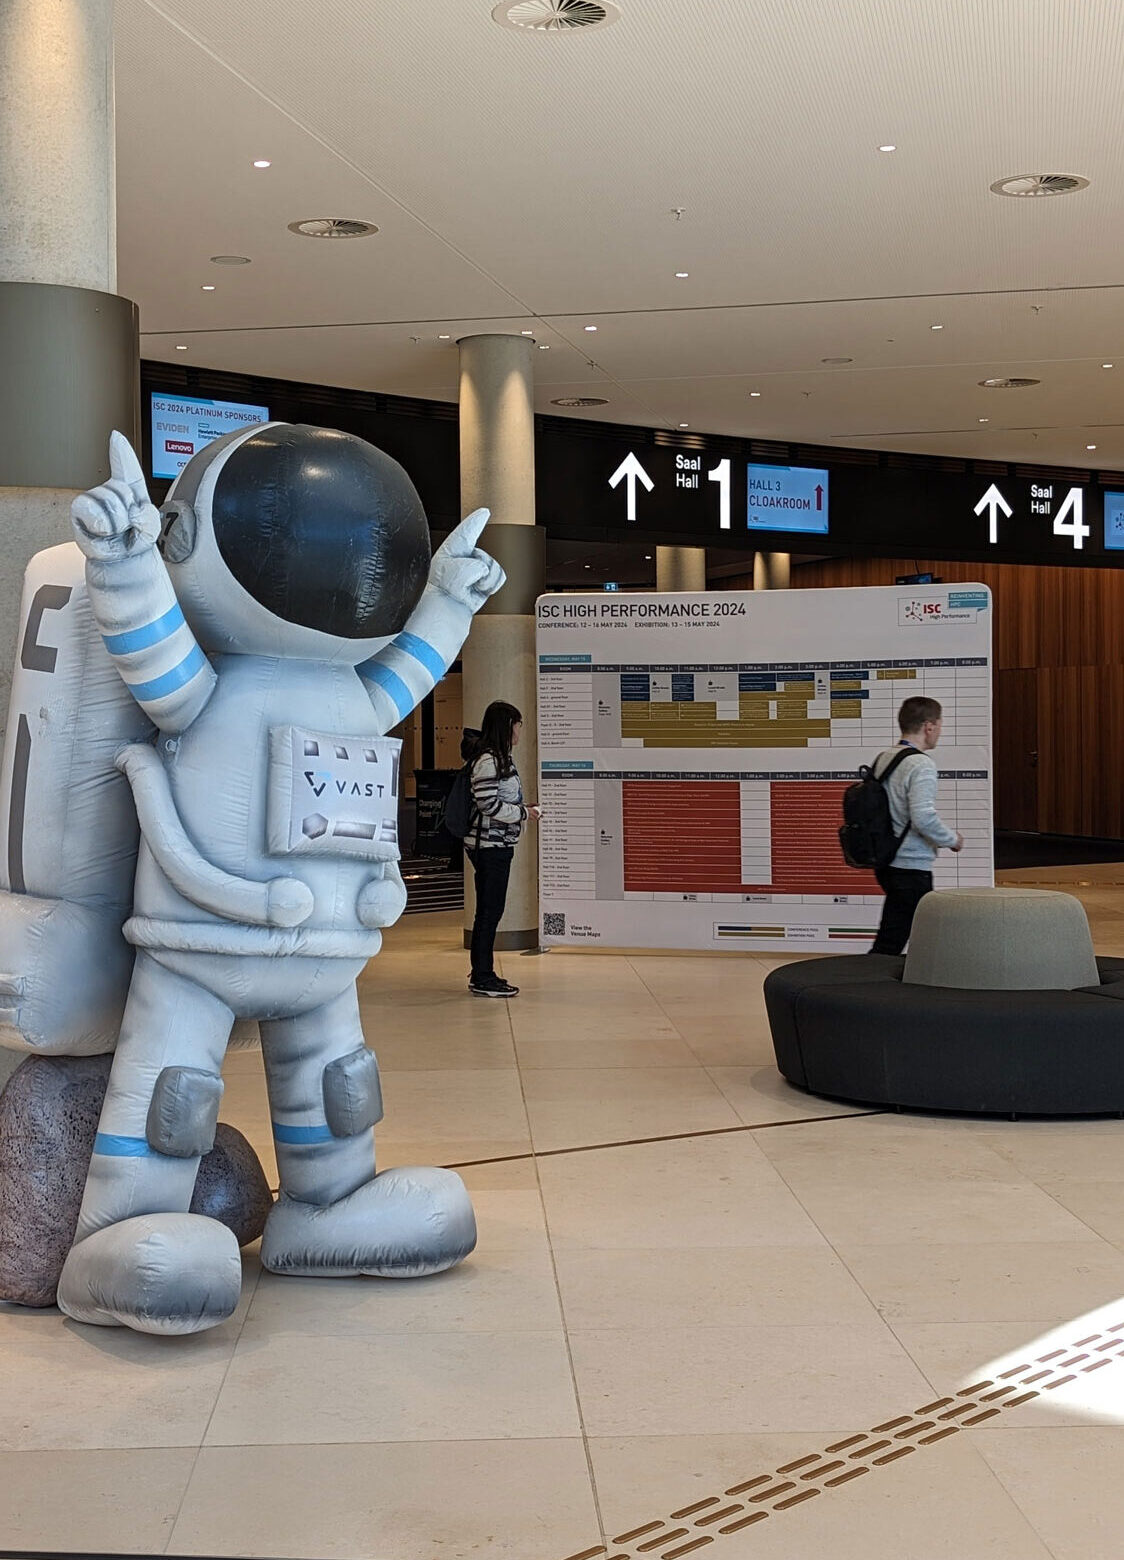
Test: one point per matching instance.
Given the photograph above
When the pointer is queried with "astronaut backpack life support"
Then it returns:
(68, 825)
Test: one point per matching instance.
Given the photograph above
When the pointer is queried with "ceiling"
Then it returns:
(531, 182)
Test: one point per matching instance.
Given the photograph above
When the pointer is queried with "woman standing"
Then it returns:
(498, 816)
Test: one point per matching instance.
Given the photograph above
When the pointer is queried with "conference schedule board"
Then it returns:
(694, 749)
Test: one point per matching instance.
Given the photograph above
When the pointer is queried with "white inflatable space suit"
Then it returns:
(272, 629)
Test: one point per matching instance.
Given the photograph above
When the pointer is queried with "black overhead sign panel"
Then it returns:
(723, 493)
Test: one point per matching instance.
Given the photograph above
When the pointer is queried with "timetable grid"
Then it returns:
(693, 767)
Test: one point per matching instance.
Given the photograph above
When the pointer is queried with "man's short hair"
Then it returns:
(917, 712)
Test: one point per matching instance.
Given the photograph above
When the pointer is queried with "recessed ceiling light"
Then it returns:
(755, 393)
(647, 557)
(445, 336)
(887, 148)
(580, 400)
(526, 333)
(682, 275)
(544, 346)
(1007, 384)
(180, 347)
(983, 419)
(591, 327)
(554, 16)
(1035, 185)
(207, 287)
(262, 162)
(1090, 446)
(936, 327)
(589, 566)
(230, 260)
(684, 425)
(1106, 365)
(332, 227)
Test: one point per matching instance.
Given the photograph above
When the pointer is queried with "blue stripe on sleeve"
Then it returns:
(179, 676)
(121, 1147)
(391, 684)
(151, 634)
(422, 651)
(300, 1135)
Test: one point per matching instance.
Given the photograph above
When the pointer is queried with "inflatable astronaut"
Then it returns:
(273, 621)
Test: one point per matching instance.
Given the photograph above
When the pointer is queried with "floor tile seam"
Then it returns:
(666, 1137)
(214, 1408)
(572, 1368)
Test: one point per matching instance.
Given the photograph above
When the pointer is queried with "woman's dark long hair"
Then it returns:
(496, 729)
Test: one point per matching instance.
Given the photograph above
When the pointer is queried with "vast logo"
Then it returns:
(322, 780)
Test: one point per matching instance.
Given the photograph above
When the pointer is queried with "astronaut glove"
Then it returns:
(464, 571)
(118, 518)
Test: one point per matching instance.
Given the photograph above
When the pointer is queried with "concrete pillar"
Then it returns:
(680, 568)
(69, 347)
(772, 571)
(497, 452)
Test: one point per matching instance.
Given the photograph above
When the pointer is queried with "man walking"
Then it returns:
(912, 794)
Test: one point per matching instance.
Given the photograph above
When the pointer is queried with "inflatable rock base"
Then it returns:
(48, 1119)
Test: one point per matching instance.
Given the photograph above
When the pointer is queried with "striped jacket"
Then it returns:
(498, 811)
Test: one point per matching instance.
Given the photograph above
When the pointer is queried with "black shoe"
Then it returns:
(491, 986)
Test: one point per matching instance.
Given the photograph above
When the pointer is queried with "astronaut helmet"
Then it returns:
(289, 540)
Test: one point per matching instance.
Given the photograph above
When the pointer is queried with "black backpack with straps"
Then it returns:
(868, 837)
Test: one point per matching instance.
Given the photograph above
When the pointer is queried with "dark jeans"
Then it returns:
(491, 867)
(904, 890)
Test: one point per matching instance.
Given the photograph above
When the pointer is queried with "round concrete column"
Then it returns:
(68, 344)
(497, 429)
(680, 568)
(771, 571)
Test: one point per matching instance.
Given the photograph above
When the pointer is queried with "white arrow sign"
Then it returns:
(993, 501)
(631, 469)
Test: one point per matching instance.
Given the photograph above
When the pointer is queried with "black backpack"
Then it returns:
(867, 836)
(457, 809)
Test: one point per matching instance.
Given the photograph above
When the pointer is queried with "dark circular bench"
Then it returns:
(849, 1028)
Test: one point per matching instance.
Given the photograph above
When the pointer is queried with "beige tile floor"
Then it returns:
(688, 1275)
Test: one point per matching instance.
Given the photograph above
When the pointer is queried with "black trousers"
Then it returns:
(904, 890)
(491, 868)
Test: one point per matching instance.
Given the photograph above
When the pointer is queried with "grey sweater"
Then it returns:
(912, 793)
(498, 810)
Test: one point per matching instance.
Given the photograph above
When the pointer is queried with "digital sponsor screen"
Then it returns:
(1114, 521)
(181, 425)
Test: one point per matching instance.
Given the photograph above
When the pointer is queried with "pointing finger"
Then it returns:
(467, 534)
(125, 466)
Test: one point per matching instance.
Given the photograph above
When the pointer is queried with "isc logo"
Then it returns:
(913, 611)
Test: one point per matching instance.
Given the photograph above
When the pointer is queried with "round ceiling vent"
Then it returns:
(835, 361)
(333, 227)
(1022, 185)
(580, 400)
(1007, 384)
(555, 15)
(230, 260)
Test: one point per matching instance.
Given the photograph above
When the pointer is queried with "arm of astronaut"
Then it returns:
(283, 901)
(134, 604)
(461, 578)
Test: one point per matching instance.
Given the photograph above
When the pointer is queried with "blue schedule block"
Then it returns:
(1114, 521)
(787, 498)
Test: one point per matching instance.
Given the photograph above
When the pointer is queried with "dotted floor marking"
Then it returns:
(773, 1493)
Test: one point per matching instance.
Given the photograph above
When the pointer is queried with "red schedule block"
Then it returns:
(806, 854)
(684, 837)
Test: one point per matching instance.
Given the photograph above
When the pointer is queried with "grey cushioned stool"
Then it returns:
(1000, 1008)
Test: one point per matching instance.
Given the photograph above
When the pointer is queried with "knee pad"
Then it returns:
(184, 1112)
(352, 1093)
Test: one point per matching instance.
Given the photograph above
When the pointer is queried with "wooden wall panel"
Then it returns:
(1063, 630)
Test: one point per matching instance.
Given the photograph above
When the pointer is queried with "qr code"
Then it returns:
(554, 925)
